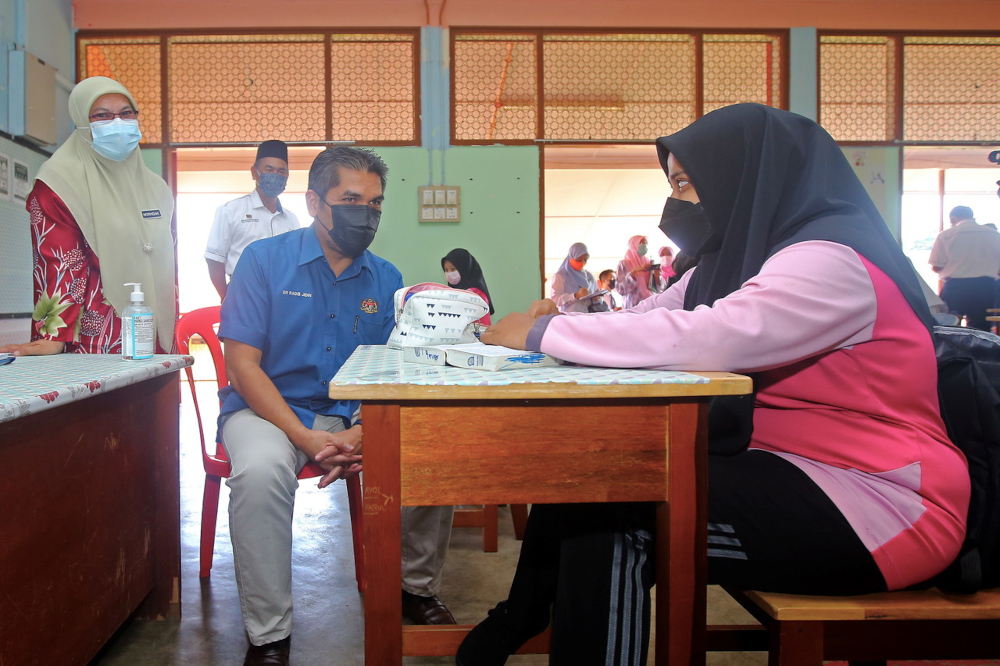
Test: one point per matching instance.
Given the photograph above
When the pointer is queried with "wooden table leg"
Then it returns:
(681, 539)
(383, 603)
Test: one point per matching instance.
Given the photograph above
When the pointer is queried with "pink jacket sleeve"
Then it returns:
(809, 298)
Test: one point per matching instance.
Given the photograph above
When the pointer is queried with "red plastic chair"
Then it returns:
(203, 322)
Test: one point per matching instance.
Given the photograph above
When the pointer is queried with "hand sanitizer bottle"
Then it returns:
(138, 330)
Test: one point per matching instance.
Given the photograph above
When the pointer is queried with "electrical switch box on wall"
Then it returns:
(32, 98)
(440, 203)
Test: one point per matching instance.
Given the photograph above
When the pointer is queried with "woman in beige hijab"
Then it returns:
(99, 218)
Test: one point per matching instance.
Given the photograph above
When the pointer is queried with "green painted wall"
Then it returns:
(500, 218)
(153, 158)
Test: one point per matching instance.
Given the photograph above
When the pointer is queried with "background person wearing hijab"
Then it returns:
(462, 271)
(572, 281)
(251, 217)
(633, 273)
(666, 254)
(99, 218)
(832, 478)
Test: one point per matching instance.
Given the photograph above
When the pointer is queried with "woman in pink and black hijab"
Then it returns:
(831, 478)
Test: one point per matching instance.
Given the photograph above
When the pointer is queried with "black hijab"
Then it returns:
(469, 271)
(770, 178)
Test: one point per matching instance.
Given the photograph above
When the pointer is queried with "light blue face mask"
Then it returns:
(115, 139)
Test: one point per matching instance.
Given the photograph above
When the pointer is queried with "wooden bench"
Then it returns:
(865, 630)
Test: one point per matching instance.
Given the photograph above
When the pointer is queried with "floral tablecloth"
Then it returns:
(32, 384)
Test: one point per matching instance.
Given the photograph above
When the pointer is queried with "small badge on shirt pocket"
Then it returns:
(369, 306)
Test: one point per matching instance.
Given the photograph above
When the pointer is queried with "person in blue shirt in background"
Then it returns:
(298, 304)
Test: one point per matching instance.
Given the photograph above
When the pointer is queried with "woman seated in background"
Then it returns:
(462, 271)
(836, 477)
(99, 218)
(634, 273)
(572, 282)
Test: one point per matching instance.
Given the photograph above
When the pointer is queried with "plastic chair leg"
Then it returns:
(209, 516)
(356, 503)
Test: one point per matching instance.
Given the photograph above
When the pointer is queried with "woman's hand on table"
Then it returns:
(36, 348)
(512, 330)
(544, 307)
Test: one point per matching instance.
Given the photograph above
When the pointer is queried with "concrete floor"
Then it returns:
(328, 625)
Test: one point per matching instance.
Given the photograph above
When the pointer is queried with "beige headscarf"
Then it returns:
(122, 208)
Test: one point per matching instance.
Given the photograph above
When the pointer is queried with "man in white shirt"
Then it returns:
(967, 256)
(252, 217)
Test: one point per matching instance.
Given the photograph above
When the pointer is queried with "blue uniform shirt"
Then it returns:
(285, 300)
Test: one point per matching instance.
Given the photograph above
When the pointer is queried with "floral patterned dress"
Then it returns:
(69, 299)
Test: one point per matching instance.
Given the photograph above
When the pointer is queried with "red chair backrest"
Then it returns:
(202, 322)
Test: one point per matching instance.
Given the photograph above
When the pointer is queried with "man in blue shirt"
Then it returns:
(298, 304)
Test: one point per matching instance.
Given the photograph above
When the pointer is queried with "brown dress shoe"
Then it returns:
(426, 610)
(269, 654)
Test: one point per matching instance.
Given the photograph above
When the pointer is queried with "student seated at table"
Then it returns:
(836, 477)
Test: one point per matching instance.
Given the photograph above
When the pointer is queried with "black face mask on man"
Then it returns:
(686, 224)
(354, 227)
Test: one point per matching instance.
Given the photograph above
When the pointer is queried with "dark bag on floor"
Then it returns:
(969, 391)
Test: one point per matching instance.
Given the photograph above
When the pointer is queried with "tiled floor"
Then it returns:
(328, 608)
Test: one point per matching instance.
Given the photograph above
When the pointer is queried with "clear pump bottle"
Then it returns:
(138, 329)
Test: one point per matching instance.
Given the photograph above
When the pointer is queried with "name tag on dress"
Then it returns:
(148, 214)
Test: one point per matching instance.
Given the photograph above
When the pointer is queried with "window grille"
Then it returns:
(561, 86)
(911, 88)
(238, 88)
(951, 89)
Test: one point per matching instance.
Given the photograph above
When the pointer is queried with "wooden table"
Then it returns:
(533, 443)
(89, 502)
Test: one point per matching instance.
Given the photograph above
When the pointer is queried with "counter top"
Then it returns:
(32, 384)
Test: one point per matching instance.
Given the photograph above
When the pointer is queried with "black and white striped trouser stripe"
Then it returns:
(625, 619)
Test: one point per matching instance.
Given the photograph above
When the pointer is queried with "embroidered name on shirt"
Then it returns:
(303, 294)
(147, 214)
(369, 305)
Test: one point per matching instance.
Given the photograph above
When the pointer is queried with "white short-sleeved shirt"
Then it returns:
(242, 221)
(967, 250)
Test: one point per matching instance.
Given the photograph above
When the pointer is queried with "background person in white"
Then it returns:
(251, 217)
(967, 256)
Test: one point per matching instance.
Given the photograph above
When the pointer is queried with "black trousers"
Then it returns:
(970, 297)
(591, 565)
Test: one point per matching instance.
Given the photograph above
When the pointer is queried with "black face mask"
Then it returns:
(354, 227)
(611, 283)
(686, 224)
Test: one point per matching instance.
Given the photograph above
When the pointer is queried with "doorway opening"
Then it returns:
(601, 195)
(935, 180)
(207, 178)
